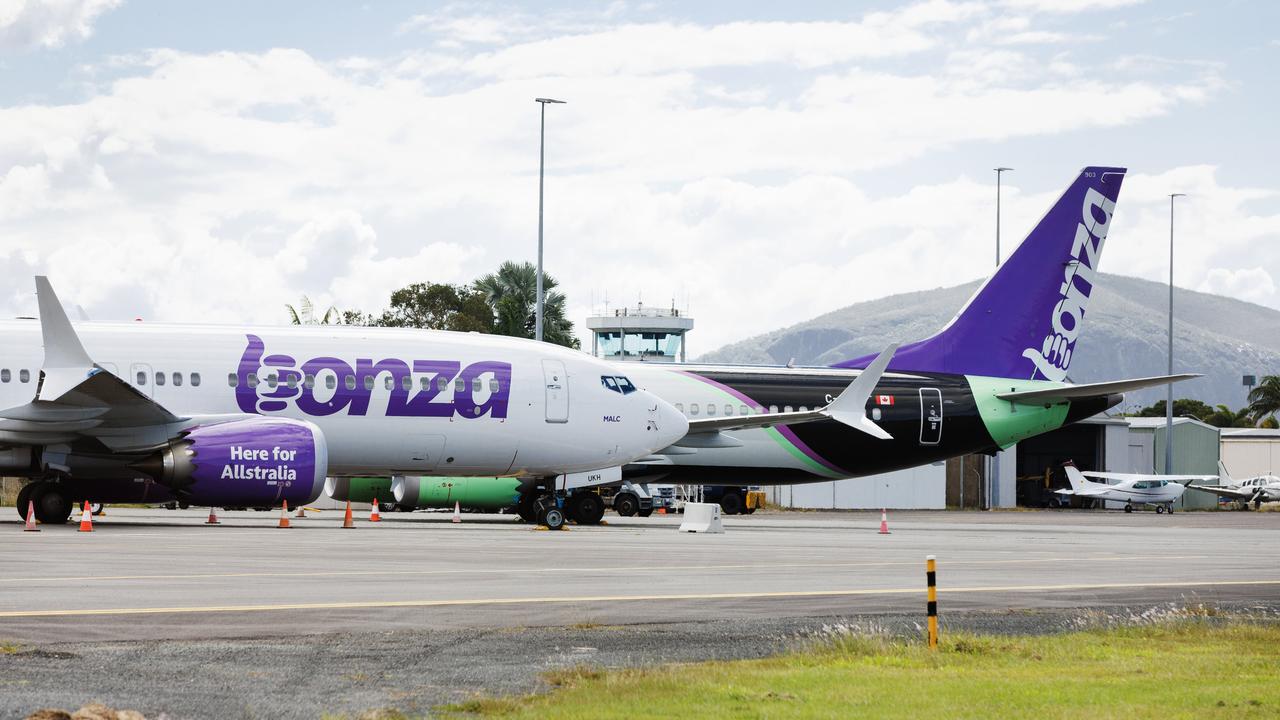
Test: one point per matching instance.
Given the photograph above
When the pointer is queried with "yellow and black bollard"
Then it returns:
(931, 574)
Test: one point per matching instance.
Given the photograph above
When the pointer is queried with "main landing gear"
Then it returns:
(542, 507)
(52, 504)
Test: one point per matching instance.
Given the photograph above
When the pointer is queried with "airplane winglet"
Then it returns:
(850, 407)
(66, 364)
(62, 347)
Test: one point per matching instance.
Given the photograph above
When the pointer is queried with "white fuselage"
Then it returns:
(389, 401)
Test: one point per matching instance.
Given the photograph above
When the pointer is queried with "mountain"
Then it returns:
(1125, 335)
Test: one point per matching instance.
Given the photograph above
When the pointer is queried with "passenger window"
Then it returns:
(494, 386)
(331, 382)
(272, 380)
(292, 381)
(459, 385)
(142, 377)
(159, 378)
(759, 409)
(477, 385)
(388, 382)
(744, 410)
(424, 383)
(693, 408)
(368, 382)
(804, 409)
(232, 380)
(406, 383)
(773, 409)
(350, 382)
(5, 376)
(442, 383)
(177, 379)
(24, 376)
(252, 380)
(195, 379)
(711, 409)
(680, 407)
(728, 409)
(787, 409)
(308, 381)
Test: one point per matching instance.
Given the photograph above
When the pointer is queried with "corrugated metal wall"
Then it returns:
(921, 488)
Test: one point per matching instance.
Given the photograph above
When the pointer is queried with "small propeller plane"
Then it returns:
(1161, 491)
(1256, 490)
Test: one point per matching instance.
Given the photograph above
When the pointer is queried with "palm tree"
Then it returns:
(1224, 417)
(512, 292)
(1264, 399)
(304, 314)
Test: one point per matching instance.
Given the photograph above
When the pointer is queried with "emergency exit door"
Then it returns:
(557, 391)
(930, 416)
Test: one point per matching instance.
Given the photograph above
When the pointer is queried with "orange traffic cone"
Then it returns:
(373, 512)
(884, 522)
(284, 514)
(347, 522)
(457, 511)
(31, 518)
(213, 518)
(86, 518)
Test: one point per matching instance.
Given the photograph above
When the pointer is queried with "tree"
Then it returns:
(1225, 417)
(438, 306)
(304, 314)
(512, 292)
(1264, 400)
(1182, 407)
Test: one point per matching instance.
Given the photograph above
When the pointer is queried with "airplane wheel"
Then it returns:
(1128, 508)
(1159, 509)
(644, 513)
(1170, 510)
(553, 518)
(53, 507)
(1257, 504)
(24, 496)
(626, 504)
(588, 509)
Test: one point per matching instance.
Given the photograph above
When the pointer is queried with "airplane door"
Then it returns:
(930, 416)
(557, 391)
(141, 378)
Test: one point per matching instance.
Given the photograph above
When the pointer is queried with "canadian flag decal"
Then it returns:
(884, 399)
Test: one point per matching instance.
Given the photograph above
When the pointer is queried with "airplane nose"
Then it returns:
(668, 424)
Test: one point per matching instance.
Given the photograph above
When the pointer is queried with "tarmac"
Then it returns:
(429, 611)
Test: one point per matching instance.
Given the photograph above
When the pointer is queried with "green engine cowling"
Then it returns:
(477, 493)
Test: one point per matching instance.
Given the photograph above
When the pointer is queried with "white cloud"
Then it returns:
(1068, 6)
(219, 186)
(1252, 284)
(28, 24)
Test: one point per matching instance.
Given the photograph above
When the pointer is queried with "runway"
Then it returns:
(156, 574)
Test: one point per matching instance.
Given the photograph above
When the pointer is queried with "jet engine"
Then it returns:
(250, 461)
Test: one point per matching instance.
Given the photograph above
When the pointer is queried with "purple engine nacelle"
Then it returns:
(253, 461)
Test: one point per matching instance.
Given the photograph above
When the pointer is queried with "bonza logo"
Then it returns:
(327, 385)
(1054, 356)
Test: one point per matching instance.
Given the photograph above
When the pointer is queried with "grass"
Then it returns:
(1189, 668)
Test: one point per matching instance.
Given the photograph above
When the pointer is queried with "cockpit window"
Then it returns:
(618, 384)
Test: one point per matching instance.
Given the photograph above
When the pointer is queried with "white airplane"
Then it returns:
(1162, 491)
(219, 416)
(1256, 490)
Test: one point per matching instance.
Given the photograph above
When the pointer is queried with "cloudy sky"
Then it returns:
(760, 163)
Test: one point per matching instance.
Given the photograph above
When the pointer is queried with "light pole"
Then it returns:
(993, 484)
(1168, 403)
(542, 144)
(999, 171)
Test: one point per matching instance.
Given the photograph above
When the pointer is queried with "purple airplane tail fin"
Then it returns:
(1024, 320)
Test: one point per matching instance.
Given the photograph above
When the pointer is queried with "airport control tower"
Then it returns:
(639, 333)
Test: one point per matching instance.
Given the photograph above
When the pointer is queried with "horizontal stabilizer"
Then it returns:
(1091, 390)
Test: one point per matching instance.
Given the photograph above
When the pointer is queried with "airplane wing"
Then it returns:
(1088, 390)
(1184, 479)
(1231, 492)
(850, 408)
(1091, 492)
(76, 398)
